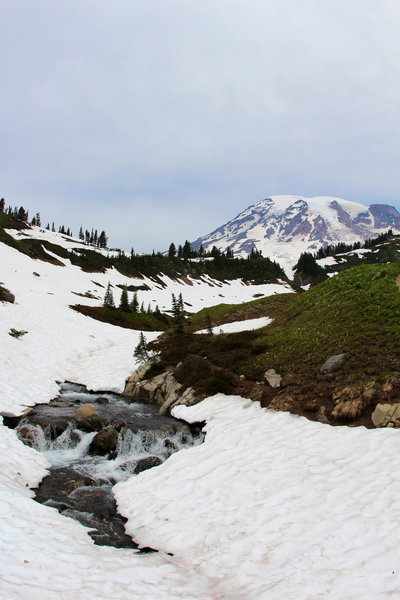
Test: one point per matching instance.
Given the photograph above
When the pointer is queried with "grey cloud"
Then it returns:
(176, 115)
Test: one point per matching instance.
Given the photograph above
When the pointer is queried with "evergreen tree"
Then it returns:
(149, 311)
(48, 226)
(178, 313)
(172, 250)
(108, 298)
(141, 352)
(124, 301)
(102, 241)
(53, 227)
(2, 205)
(135, 303)
(21, 214)
(201, 250)
(81, 236)
(187, 250)
(142, 309)
(38, 221)
(209, 324)
(180, 251)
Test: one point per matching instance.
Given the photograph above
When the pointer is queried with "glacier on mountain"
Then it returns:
(283, 227)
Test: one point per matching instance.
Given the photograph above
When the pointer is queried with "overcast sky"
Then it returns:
(159, 120)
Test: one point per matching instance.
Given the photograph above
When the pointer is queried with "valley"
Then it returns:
(293, 490)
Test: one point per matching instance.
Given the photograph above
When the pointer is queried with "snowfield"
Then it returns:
(270, 507)
(235, 326)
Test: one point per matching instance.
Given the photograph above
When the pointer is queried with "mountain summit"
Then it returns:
(284, 226)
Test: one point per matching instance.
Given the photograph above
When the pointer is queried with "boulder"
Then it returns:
(386, 415)
(272, 378)
(136, 376)
(104, 442)
(87, 418)
(333, 363)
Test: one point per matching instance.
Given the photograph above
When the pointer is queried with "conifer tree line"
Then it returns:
(186, 251)
(341, 247)
(92, 238)
(128, 306)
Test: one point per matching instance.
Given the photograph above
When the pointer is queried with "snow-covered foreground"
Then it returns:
(271, 506)
(235, 326)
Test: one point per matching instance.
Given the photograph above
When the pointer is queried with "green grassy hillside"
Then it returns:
(356, 312)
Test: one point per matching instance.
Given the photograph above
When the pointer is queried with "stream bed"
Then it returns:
(88, 457)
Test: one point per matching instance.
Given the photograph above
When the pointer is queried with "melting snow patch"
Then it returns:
(236, 326)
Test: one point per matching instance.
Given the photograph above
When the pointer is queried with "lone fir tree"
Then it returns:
(178, 313)
(124, 301)
(108, 301)
(141, 352)
(135, 303)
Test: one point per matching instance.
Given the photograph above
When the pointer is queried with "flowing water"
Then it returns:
(79, 483)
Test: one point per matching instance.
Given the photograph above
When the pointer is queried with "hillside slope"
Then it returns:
(355, 313)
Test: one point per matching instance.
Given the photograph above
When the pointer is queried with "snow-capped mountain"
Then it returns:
(284, 226)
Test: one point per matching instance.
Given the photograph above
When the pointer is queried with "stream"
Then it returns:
(86, 462)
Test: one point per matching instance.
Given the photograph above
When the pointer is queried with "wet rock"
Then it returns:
(87, 418)
(272, 378)
(104, 442)
(102, 400)
(28, 435)
(141, 464)
(61, 482)
(55, 425)
(333, 363)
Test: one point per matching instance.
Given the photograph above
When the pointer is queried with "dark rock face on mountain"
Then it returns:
(284, 226)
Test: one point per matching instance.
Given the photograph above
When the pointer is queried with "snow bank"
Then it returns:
(273, 506)
(235, 326)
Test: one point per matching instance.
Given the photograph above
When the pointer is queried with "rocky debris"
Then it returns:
(104, 443)
(87, 418)
(272, 378)
(163, 389)
(333, 363)
(386, 415)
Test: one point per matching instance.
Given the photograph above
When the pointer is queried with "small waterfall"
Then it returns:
(80, 484)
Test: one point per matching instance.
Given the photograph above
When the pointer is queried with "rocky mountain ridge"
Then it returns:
(283, 227)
